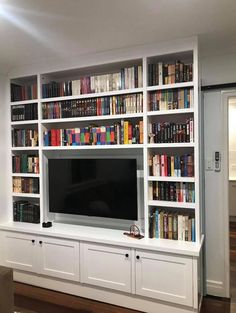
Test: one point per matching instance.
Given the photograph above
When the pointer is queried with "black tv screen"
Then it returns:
(93, 187)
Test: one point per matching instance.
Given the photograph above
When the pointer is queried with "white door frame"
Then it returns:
(225, 96)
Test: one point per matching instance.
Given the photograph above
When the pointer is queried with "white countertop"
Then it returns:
(105, 236)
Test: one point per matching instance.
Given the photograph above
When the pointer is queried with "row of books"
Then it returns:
(171, 165)
(24, 112)
(171, 99)
(119, 133)
(124, 104)
(24, 137)
(126, 78)
(24, 211)
(172, 191)
(25, 185)
(169, 73)
(25, 163)
(171, 225)
(166, 132)
(23, 92)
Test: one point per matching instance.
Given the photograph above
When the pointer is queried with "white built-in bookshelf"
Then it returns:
(145, 103)
(161, 92)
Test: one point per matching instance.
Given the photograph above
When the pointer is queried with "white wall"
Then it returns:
(215, 209)
(218, 69)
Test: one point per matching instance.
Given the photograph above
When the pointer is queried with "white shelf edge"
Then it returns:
(94, 95)
(171, 145)
(92, 118)
(171, 86)
(26, 195)
(28, 122)
(25, 175)
(172, 178)
(91, 147)
(24, 102)
(184, 205)
(24, 148)
(170, 112)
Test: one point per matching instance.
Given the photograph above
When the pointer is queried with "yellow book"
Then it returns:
(126, 132)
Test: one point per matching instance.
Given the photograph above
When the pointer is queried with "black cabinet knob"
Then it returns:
(33, 241)
(40, 242)
(137, 257)
(126, 255)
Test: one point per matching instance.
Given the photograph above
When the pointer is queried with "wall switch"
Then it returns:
(208, 164)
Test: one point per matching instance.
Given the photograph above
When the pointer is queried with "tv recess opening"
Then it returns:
(94, 187)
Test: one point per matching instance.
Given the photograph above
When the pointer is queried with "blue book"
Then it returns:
(157, 229)
(193, 229)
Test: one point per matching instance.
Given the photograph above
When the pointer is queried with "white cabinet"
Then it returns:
(106, 266)
(164, 277)
(41, 255)
(19, 251)
(59, 258)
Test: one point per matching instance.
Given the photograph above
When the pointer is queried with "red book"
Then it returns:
(53, 137)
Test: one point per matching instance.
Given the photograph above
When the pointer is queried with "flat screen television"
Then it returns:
(94, 187)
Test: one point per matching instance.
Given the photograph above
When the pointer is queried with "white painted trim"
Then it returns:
(215, 288)
(225, 95)
(101, 294)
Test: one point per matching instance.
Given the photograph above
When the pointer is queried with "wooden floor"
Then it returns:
(45, 301)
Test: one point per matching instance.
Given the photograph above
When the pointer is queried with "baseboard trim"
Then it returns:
(216, 288)
(115, 298)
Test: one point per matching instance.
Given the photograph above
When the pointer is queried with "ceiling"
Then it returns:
(36, 30)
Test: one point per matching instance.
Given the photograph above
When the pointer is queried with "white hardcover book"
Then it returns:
(191, 129)
(132, 77)
(160, 73)
(150, 191)
(191, 98)
(118, 83)
(140, 76)
(180, 227)
(92, 84)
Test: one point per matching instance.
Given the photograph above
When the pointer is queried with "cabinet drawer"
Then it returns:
(59, 258)
(164, 277)
(106, 266)
(19, 251)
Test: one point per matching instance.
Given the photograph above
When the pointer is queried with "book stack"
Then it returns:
(25, 185)
(124, 132)
(171, 225)
(124, 104)
(23, 92)
(171, 165)
(24, 112)
(166, 132)
(24, 137)
(169, 73)
(25, 164)
(24, 211)
(171, 99)
(172, 191)
(126, 78)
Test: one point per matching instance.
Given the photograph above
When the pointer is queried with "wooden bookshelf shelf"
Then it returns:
(93, 95)
(172, 179)
(92, 118)
(172, 204)
(170, 112)
(170, 86)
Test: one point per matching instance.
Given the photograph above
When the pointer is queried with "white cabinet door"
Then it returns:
(59, 258)
(19, 251)
(164, 277)
(106, 266)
